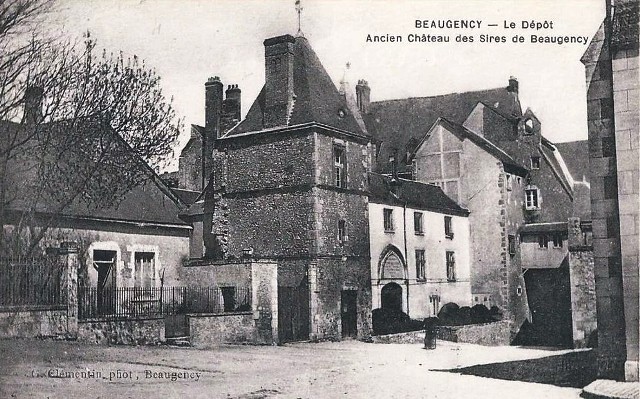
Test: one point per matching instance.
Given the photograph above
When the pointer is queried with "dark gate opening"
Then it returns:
(293, 313)
(391, 298)
(549, 296)
(349, 313)
(105, 263)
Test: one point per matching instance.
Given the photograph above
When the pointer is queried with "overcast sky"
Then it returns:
(188, 41)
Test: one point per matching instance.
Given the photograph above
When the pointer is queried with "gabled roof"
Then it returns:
(576, 156)
(414, 194)
(398, 121)
(151, 202)
(485, 144)
(316, 97)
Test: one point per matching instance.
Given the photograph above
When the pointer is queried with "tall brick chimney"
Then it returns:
(212, 111)
(513, 88)
(213, 105)
(363, 96)
(33, 97)
(278, 62)
(232, 101)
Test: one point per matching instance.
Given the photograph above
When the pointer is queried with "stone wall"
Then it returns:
(604, 206)
(489, 334)
(329, 278)
(211, 330)
(411, 337)
(122, 332)
(583, 285)
(33, 323)
(626, 106)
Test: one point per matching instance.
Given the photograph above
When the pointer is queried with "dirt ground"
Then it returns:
(58, 369)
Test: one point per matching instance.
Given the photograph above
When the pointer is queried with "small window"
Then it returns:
(532, 198)
(509, 183)
(451, 266)
(528, 126)
(342, 232)
(339, 166)
(418, 223)
(388, 219)
(144, 269)
(543, 241)
(557, 240)
(512, 245)
(420, 265)
(448, 228)
(535, 162)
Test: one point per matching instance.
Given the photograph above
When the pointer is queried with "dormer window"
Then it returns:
(532, 198)
(528, 126)
(535, 162)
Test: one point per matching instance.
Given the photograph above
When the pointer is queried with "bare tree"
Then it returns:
(89, 126)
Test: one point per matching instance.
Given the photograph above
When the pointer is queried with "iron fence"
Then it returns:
(32, 282)
(139, 302)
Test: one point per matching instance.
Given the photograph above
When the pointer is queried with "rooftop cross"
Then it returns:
(299, 11)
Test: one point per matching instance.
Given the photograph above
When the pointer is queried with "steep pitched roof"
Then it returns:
(151, 202)
(415, 194)
(487, 145)
(576, 156)
(316, 97)
(398, 121)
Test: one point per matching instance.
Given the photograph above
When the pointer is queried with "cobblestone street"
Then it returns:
(37, 369)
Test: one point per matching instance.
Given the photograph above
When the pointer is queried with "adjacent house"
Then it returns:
(126, 250)
(491, 158)
(419, 243)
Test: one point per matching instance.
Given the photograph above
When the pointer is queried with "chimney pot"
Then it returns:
(513, 85)
(363, 96)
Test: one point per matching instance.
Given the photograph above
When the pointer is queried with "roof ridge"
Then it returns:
(437, 95)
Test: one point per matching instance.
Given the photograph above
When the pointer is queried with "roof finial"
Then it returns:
(299, 11)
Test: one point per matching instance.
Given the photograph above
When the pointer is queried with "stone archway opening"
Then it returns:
(391, 298)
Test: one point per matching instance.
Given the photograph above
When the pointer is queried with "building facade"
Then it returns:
(419, 242)
(289, 184)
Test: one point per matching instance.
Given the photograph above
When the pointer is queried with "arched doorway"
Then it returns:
(391, 297)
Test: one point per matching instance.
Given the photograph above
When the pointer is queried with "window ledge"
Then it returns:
(419, 233)
(421, 280)
(449, 237)
(390, 231)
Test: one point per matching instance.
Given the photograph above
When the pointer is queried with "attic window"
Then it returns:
(528, 126)
(341, 113)
(535, 162)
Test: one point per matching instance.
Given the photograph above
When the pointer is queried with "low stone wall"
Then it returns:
(122, 332)
(489, 334)
(18, 323)
(211, 330)
(412, 337)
